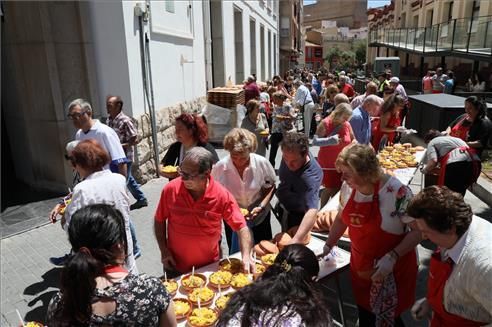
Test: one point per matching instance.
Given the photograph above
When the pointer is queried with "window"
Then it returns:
(170, 6)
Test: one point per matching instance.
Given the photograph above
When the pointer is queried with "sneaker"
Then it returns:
(59, 261)
(139, 204)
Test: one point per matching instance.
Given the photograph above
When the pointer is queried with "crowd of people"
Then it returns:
(100, 284)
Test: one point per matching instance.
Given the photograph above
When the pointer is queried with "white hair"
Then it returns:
(82, 103)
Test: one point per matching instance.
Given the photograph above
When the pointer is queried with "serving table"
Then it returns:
(327, 271)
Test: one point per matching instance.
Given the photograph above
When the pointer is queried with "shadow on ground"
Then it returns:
(44, 291)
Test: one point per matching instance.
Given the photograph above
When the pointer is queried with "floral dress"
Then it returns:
(140, 301)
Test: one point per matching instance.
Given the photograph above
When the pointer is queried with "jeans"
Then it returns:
(275, 140)
(132, 184)
(136, 246)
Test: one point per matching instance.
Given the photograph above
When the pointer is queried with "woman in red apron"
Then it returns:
(459, 165)
(444, 218)
(473, 127)
(389, 121)
(383, 264)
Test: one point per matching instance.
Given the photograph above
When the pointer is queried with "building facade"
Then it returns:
(425, 34)
(290, 29)
(163, 52)
(347, 13)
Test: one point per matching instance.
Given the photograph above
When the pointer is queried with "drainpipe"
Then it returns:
(152, 108)
(142, 14)
(207, 30)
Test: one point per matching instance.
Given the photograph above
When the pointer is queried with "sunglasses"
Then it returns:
(76, 115)
(185, 176)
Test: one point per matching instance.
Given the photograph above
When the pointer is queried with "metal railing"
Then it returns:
(465, 35)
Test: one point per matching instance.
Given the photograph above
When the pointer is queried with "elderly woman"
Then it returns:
(251, 180)
(389, 122)
(328, 99)
(337, 129)
(99, 186)
(256, 123)
(285, 295)
(191, 131)
(473, 127)
(96, 288)
(383, 260)
(460, 271)
(459, 165)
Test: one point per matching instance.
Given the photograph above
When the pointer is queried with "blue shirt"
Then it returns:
(361, 124)
(298, 191)
(316, 85)
(448, 86)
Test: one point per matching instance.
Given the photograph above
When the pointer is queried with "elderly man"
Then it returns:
(251, 90)
(458, 287)
(361, 118)
(304, 100)
(193, 206)
(438, 81)
(127, 133)
(80, 112)
(399, 89)
(371, 88)
(300, 179)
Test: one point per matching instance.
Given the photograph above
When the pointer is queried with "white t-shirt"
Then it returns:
(246, 190)
(107, 138)
(104, 187)
(393, 201)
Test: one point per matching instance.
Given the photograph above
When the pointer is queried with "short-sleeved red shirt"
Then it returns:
(194, 227)
(348, 90)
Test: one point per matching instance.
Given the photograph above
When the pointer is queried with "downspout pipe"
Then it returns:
(145, 66)
(152, 107)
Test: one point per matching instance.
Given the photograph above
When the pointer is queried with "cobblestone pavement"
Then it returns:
(28, 280)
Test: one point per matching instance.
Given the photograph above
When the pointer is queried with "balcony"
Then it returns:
(465, 37)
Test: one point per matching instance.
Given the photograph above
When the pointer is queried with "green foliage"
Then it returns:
(360, 47)
(339, 60)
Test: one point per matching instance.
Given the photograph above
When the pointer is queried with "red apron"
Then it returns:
(370, 243)
(393, 122)
(444, 160)
(439, 272)
(459, 130)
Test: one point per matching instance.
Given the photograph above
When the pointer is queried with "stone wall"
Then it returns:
(144, 168)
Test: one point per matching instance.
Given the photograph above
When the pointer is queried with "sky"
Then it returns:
(370, 3)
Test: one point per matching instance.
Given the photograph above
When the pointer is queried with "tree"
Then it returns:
(360, 48)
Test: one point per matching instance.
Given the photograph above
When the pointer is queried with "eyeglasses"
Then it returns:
(76, 115)
(186, 176)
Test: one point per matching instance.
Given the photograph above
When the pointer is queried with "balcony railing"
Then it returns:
(464, 35)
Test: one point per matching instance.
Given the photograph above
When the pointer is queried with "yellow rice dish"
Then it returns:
(169, 169)
(181, 307)
(202, 317)
(171, 286)
(193, 281)
(268, 259)
(205, 294)
(240, 280)
(221, 301)
(221, 278)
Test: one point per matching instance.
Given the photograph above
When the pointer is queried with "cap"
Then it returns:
(394, 80)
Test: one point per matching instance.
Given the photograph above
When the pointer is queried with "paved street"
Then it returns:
(28, 280)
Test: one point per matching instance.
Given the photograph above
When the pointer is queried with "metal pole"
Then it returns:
(454, 31)
(425, 36)
(152, 108)
(469, 35)
(437, 36)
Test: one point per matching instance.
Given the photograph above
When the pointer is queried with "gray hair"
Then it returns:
(82, 103)
(298, 82)
(200, 156)
(70, 146)
(341, 98)
(372, 98)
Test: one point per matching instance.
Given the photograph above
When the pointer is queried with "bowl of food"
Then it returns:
(268, 259)
(190, 282)
(265, 247)
(182, 308)
(33, 324)
(264, 133)
(260, 269)
(170, 169)
(202, 317)
(240, 280)
(221, 301)
(232, 265)
(205, 294)
(171, 286)
(220, 278)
